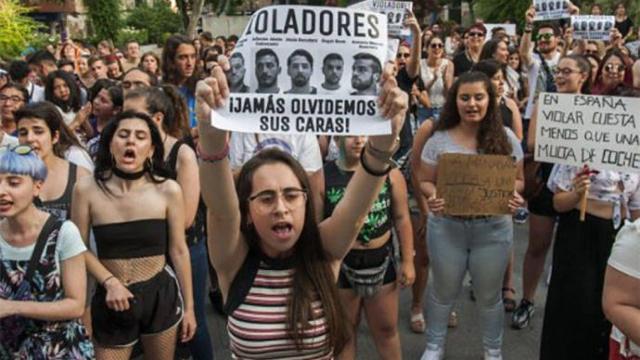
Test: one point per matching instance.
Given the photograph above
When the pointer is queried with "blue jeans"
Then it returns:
(480, 246)
(200, 346)
(423, 113)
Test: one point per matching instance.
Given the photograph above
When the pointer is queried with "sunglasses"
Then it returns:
(614, 68)
(475, 34)
(436, 46)
(403, 55)
(545, 37)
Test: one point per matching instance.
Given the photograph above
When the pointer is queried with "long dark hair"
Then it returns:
(313, 274)
(169, 71)
(48, 113)
(489, 48)
(167, 100)
(74, 91)
(611, 53)
(104, 159)
(492, 137)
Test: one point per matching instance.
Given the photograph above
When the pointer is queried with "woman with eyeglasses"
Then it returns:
(575, 326)
(168, 110)
(436, 76)
(474, 40)
(41, 127)
(611, 74)
(42, 270)
(13, 96)
(369, 279)
(139, 297)
(470, 124)
(277, 267)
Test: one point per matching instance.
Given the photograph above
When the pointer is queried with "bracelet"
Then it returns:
(213, 158)
(104, 282)
(372, 172)
(382, 155)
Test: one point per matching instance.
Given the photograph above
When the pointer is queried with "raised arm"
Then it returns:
(227, 249)
(339, 231)
(413, 66)
(526, 46)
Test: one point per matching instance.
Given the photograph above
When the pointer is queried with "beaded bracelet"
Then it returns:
(213, 158)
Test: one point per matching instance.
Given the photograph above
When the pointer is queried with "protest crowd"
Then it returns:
(124, 212)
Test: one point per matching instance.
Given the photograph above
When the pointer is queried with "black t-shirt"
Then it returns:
(461, 63)
(405, 82)
(624, 26)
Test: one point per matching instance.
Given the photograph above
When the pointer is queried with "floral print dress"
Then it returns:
(23, 338)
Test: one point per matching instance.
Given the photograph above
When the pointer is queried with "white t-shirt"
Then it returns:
(537, 79)
(625, 257)
(69, 245)
(8, 140)
(79, 157)
(36, 93)
(304, 148)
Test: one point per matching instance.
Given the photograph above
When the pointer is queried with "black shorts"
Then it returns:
(542, 204)
(368, 258)
(156, 307)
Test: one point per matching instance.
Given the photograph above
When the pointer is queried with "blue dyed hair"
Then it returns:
(29, 165)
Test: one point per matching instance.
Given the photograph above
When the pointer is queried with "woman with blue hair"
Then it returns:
(42, 269)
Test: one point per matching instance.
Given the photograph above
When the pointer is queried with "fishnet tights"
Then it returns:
(130, 271)
(160, 346)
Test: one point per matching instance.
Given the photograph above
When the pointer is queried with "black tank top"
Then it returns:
(197, 230)
(132, 239)
(507, 114)
(380, 217)
(60, 207)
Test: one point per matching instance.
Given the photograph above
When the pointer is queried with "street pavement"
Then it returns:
(463, 342)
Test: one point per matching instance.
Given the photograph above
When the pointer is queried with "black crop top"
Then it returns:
(132, 239)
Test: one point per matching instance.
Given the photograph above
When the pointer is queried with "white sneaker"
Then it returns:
(492, 354)
(433, 352)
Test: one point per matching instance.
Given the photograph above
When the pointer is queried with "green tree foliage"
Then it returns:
(105, 18)
(157, 20)
(17, 31)
(500, 11)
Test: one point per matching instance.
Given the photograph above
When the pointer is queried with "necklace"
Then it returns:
(128, 176)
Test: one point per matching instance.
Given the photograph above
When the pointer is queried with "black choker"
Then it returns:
(128, 176)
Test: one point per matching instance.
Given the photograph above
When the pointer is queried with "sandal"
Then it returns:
(453, 320)
(509, 302)
(418, 325)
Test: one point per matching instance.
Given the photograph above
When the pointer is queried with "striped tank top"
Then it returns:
(257, 309)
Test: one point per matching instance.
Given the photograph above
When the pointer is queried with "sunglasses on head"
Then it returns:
(18, 149)
(546, 36)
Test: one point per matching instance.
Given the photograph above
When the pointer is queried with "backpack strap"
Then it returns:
(50, 225)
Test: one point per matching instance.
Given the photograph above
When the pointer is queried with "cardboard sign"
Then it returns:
(476, 184)
(600, 131)
(591, 27)
(551, 9)
(305, 69)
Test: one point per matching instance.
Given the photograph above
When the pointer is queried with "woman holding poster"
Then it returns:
(470, 124)
(592, 205)
(264, 241)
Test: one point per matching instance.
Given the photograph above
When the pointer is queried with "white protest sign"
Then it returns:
(510, 29)
(395, 11)
(303, 69)
(592, 27)
(600, 131)
(551, 9)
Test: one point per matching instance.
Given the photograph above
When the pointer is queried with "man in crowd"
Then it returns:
(42, 63)
(235, 75)
(332, 69)
(133, 56)
(267, 71)
(300, 68)
(19, 72)
(98, 67)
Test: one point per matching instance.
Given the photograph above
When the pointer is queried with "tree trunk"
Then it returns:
(182, 9)
(196, 11)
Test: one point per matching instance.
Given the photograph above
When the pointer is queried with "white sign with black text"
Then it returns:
(395, 11)
(592, 27)
(551, 9)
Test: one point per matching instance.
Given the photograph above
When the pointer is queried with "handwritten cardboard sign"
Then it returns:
(600, 131)
(476, 184)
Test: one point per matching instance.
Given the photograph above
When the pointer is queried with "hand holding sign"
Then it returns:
(393, 104)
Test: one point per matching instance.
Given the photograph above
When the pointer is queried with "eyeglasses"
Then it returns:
(267, 201)
(14, 98)
(614, 68)
(475, 34)
(403, 55)
(565, 71)
(546, 36)
(436, 46)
